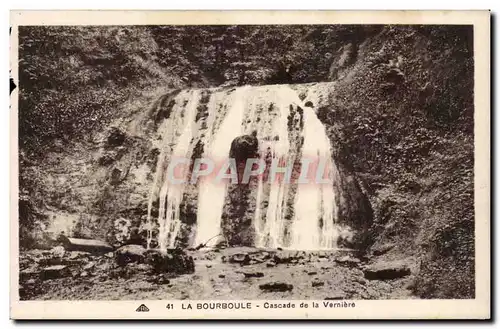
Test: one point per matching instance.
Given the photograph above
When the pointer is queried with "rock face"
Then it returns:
(387, 270)
(126, 165)
(239, 208)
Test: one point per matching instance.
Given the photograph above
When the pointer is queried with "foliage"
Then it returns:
(407, 114)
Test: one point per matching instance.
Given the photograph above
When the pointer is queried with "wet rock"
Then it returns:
(239, 258)
(159, 279)
(58, 251)
(253, 274)
(318, 283)
(88, 245)
(386, 270)
(244, 147)
(132, 253)
(348, 261)
(276, 286)
(54, 272)
(322, 254)
(282, 259)
(30, 282)
(89, 266)
(74, 255)
(28, 274)
(359, 280)
(170, 261)
(116, 137)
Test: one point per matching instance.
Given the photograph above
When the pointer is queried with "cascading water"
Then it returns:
(212, 193)
(171, 194)
(315, 212)
(285, 214)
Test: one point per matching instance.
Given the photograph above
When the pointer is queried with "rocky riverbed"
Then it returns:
(131, 272)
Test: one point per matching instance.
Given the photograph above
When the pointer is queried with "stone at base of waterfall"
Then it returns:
(348, 261)
(249, 258)
(253, 274)
(160, 279)
(336, 296)
(239, 258)
(276, 286)
(58, 251)
(386, 270)
(317, 283)
(54, 272)
(170, 261)
(132, 253)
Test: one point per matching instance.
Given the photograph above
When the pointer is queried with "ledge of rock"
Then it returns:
(76, 244)
(387, 270)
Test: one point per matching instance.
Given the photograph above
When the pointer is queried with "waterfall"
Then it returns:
(171, 194)
(315, 211)
(212, 193)
(284, 214)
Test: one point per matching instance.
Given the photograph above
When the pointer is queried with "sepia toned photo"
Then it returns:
(225, 167)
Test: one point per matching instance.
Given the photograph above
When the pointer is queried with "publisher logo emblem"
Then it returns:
(142, 308)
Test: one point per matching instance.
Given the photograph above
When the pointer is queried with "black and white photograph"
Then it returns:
(231, 163)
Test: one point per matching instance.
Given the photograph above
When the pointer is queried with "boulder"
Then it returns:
(28, 274)
(58, 251)
(348, 261)
(54, 272)
(318, 283)
(239, 258)
(88, 245)
(271, 264)
(170, 261)
(89, 266)
(276, 286)
(131, 253)
(386, 270)
(159, 279)
(253, 274)
(73, 255)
